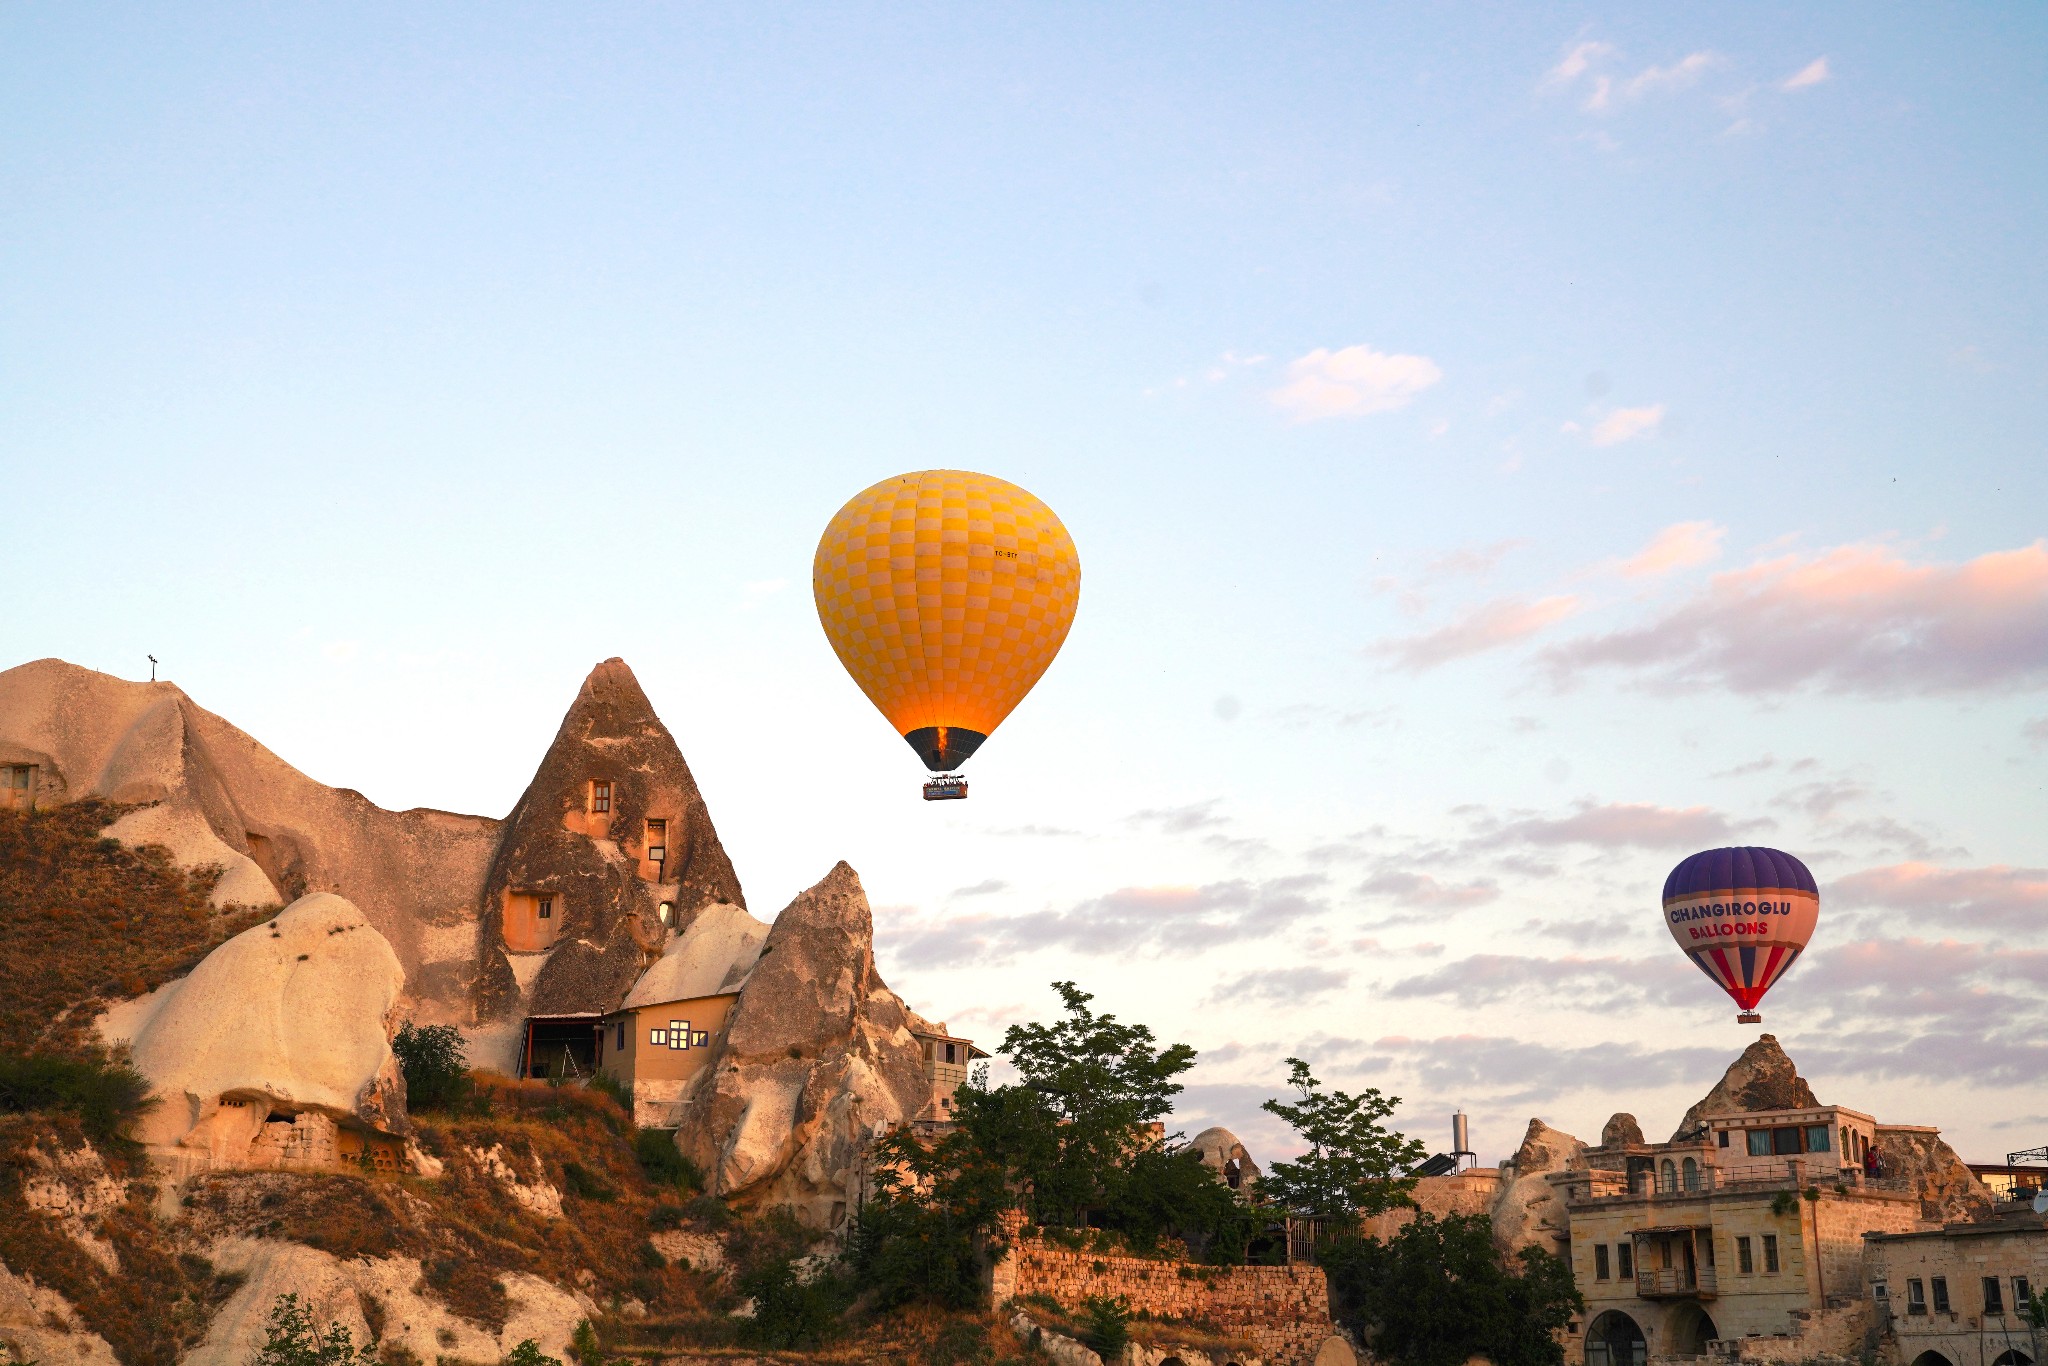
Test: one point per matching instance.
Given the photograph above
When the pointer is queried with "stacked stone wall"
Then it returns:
(1284, 1310)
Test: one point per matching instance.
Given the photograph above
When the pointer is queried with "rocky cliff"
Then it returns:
(818, 1051)
(1763, 1078)
(611, 792)
(213, 795)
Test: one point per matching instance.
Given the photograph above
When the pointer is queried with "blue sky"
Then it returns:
(1508, 450)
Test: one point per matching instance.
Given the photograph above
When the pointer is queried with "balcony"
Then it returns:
(1676, 1282)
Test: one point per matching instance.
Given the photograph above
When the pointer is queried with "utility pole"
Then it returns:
(152, 668)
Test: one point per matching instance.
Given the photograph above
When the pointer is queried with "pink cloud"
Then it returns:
(1625, 825)
(1992, 895)
(1489, 626)
(1675, 547)
(1420, 889)
(1855, 619)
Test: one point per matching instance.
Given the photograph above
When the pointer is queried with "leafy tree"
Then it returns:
(293, 1340)
(1109, 1325)
(1167, 1190)
(435, 1065)
(105, 1095)
(1438, 1293)
(1354, 1163)
(1101, 1082)
(528, 1353)
(789, 1311)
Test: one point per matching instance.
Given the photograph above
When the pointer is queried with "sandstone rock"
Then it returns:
(333, 1291)
(816, 1053)
(38, 1324)
(1219, 1149)
(222, 798)
(592, 861)
(1763, 1078)
(710, 958)
(286, 1017)
(1949, 1191)
(1621, 1130)
(700, 1251)
(1528, 1211)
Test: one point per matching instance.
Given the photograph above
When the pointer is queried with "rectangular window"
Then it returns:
(657, 841)
(1816, 1138)
(1916, 1296)
(1940, 1294)
(1723, 1136)
(1770, 1253)
(1626, 1255)
(950, 1053)
(658, 1037)
(2021, 1291)
(547, 908)
(619, 1036)
(1994, 1295)
(1784, 1142)
(678, 1033)
(600, 795)
(1759, 1142)
(1880, 1291)
(1745, 1260)
(1600, 1262)
(700, 1039)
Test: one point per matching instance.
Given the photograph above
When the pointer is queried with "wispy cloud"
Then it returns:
(1614, 825)
(1813, 73)
(1577, 61)
(1679, 546)
(1855, 619)
(1181, 820)
(1422, 890)
(1995, 896)
(1489, 626)
(1280, 985)
(1352, 382)
(1623, 424)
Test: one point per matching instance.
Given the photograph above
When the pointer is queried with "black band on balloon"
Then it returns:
(944, 748)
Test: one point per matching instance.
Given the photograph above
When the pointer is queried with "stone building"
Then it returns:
(1951, 1295)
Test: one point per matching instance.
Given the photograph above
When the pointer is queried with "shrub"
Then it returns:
(584, 1184)
(528, 1353)
(1108, 1325)
(665, 1163)
(787, 1311)
(104, 1095)
(435, 1065)
(292, 1340)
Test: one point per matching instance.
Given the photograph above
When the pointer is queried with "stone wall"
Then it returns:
(1285, 1310)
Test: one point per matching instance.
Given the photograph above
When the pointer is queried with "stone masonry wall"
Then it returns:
(1284, 1309)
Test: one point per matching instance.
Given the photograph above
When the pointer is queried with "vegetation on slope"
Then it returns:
(85, 920)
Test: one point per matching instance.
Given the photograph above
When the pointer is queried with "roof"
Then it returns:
(711, 958)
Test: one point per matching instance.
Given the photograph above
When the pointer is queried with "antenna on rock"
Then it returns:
(152, 667)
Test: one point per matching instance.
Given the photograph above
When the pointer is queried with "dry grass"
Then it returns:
(85, 919)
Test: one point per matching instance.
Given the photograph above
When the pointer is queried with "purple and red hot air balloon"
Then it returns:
(1743, 915)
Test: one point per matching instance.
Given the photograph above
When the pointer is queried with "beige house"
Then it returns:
(1951, 1296)
(947, 1057)
(1687, 1248)
(662, 1034)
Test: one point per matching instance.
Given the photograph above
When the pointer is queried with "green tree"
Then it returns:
(1102, 1082)
(293, 1340)
(1438, 1293)
(434, 1063)
(528, 1353)
(1354, 1163)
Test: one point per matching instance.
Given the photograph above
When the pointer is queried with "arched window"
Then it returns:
(1667, 1177)
(1692, 1180)
(2012, 1356)
(1615, 1339)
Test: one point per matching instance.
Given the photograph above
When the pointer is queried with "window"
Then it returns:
(950, 1053)
(1770, 1253)
(666, 910)
(1916, 1296)
(1667, 1177)
(658, 1037)
(1745, 1262)
(1723, 1136)
(1994, 1295)
(1880, 1291)
(1759, 1142)
(1626, 1256)
(678, 1033)
(1784, 1142)
(2021, 1291)
(600, 795)
(17, 786)
(546, 907)
(1848, 1143)
(1691, 1171)
(657, 841)
(701, 1039)
(1600, 1262)
(1816, 1138)
(619, 1035)
(1941, 1294)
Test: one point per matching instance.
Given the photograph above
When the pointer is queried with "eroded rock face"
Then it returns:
(216, 796)
(582, 835)
(1948, 1189)
(1763, 1078)
(1223, 1154)
(817, 1052)
(1621, 1130)
(1529, 1211)
(289, 1017)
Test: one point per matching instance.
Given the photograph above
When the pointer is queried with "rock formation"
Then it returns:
(710, 958)
(818, 1051)
(1949, 1191)
(1222, 1153)
(611, 791)
(290, 1019)
(1529, 1211)
(213, 795)
(1763, 1078)
(1621, 1130)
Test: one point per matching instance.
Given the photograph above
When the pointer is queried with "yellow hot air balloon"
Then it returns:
(945, 594)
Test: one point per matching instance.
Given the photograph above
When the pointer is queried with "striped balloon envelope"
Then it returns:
(945, 594)
(1743, 916)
